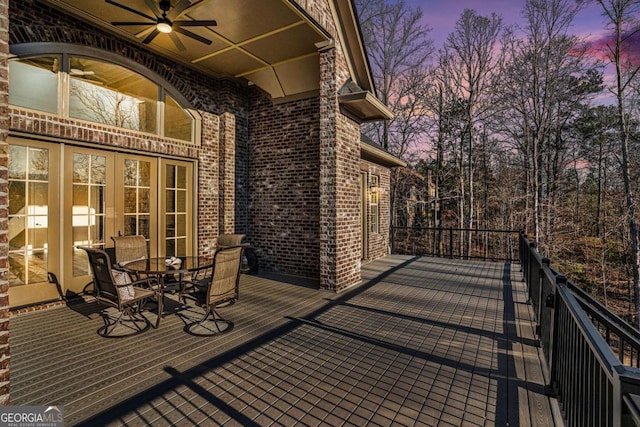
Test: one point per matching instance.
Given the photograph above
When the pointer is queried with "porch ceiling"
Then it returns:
(270, 43)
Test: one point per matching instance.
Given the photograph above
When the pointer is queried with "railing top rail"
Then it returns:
(605, 315)
(596, 342)
(483, 230)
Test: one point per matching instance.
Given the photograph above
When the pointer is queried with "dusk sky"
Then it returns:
(441, 16)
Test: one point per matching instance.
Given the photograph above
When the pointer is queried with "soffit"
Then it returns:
(270, 43)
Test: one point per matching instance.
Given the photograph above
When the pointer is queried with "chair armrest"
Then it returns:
(150, 282)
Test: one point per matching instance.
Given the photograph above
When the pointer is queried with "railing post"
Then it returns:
(450, 242)
(530, 254)
(546, 263)
(521, 239)
(560, 281)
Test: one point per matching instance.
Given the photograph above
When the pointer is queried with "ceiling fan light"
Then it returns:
(163, 27)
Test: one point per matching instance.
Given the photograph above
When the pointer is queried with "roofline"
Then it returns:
(353, 38)
(379, 156)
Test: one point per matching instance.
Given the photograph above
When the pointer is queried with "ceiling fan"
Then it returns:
(165, 20)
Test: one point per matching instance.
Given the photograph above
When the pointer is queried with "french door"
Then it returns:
(33, 221)
(106, 194)
(96, 194)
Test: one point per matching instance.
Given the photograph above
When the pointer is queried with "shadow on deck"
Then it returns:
(422, 341)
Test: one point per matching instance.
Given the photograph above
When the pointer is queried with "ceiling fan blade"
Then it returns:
(128, 9)
(132, 23)
(176, 41)
(211, 23)
(151, 36)
(192, 35)
(145, 32)
(180, 8)
(154, 7)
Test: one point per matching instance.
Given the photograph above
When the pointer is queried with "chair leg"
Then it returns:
(139, 323)
(204, 326)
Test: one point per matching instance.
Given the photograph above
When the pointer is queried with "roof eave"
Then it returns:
(364, 107)
(379, 156)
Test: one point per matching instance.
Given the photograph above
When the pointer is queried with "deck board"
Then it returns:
(422, 341)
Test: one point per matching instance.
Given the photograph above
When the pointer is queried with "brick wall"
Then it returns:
(283, 171)
(208, 192)
(227, 174)
(302, 215)
(339, 181)
(4, 204)
(378, 243)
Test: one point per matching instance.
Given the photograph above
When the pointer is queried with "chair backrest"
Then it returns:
(129, 248)
(225, 240)
(225, 276)
(102, 278)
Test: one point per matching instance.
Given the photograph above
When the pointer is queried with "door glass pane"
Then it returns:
(130, 195)
(176, 210)
(17, 162)
(181, 247)
(171, 176)
(171, 200)
(17, 193)
(144, 225)
(80, 167)
(130, 227)
(98, 169)
(28, 214)
(181, 201)
(144, 177)
(137, 197)
(130, 172)
(38, 164)
(144, 202)
(181, 225)
(89, 207)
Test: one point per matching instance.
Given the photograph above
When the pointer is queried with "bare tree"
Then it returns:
(102, 105)
(399, 47)
(544, 79)
(469, 59)
(622, 18)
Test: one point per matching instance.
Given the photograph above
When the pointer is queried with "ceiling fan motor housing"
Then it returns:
(164, 5)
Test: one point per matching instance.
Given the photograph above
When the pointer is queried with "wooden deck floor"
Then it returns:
(422, 341)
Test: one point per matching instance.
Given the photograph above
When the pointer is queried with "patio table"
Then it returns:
(164, 268)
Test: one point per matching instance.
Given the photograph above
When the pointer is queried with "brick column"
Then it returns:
(4, 202)
(227, 173)
(339, 184)
(209, 185)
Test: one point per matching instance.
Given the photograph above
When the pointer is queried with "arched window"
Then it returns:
(86, 88)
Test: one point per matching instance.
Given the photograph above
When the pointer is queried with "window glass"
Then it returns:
(98, 92)
(177, 123)
(33, 83)
(374, 205)
(113, 95)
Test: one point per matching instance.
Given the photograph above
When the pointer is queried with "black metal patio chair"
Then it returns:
(218, 287)
(126, 297)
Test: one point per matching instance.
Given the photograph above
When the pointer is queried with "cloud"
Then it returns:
(600, 47)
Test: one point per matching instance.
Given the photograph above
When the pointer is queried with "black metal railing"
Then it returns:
(464, 243)
(592, 354)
